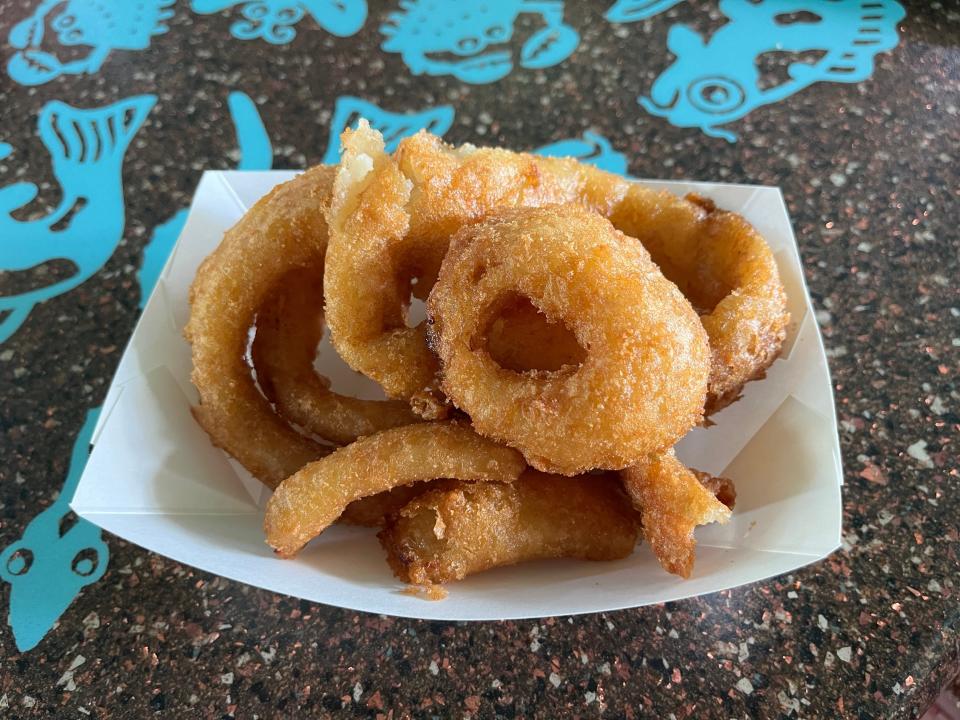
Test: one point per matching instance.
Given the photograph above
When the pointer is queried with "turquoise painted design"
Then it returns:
(101, 25)
(592, 149)
(393, 126)
(274, 20)
(714, 82)
(87, 149)
(256, 153)
(5, 150)
(56, 557)
(624, 11)
(437, 37)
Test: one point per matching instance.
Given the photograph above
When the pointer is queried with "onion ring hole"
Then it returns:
(520, 338)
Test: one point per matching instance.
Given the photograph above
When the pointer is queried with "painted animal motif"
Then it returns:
(593, 149)
(274, 20)
(393, 126)
(435, 37)
(716, 81)
(87, 149)
(101, 25)
(57, 556)
(624, 11)
(256, 153)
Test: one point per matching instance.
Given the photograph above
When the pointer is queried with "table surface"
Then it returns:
(868, 164)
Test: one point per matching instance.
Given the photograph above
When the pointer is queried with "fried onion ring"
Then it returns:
(447, 534)
(392, 216)
(307, 502)
(728, 272)
(391, 220)
(643, 382)
(283, 231)
(672, 502)
(289, 328)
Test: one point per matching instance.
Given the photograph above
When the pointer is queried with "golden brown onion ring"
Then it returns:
(391, 220)
(392, 217)
(643, 381)
(283, 231)
(672, 502)
(728, 272)
(289, 328)
(447, 534)
(307, 502)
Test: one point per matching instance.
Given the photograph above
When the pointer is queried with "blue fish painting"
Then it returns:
(86, 148)
(624, 11)
(274, 20)
(470, 39)
(101, 25)
(715, 81)
(393, 126)
(256, 153)
(56, 557)
(593, 149)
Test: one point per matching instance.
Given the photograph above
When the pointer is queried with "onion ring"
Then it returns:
(643, 382)
(728, 272)
(307, 502)
(283, 231)
(391, 220)
(447, 534)
(672, 501)
(289, 328)
(392, 216)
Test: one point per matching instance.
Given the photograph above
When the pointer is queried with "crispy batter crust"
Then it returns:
(289, 328)
(373, 510)
(643, 382)
(672, 502)
(726, 269)
(307, 502)
(392, 217)
(448, 534)
(285, 230)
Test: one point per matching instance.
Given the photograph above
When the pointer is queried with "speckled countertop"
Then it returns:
(870, 174)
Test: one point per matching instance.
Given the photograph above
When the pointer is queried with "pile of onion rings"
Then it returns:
(578, 325)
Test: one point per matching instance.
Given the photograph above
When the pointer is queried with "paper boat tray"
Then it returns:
(154, 478)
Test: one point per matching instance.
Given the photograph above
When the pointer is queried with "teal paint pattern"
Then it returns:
(469, 39)
(624, 11)
(256, 153)
(55, 558)
(101, 25)
(86, 148)
(716, 81)
(592, 149)
(274, 20)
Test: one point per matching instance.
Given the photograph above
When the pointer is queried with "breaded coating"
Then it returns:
(448, 534)
(643, 382)
(307, 502)
(672, 502)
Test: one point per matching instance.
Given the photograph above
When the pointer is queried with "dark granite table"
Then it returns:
(869, 170)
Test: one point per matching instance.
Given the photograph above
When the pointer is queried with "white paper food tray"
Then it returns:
(154, 478)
